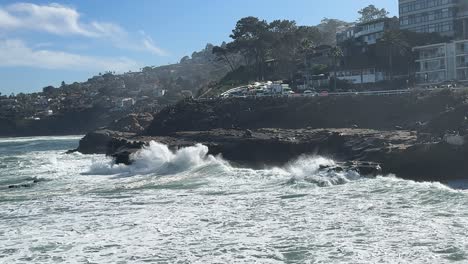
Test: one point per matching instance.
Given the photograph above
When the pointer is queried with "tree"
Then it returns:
(371, 13)
(336, 53)
(145, 69)
(394, 43)
(222, 53)
(328, 29)
(184, 59)
(282, 26)
(48, 89)
(251, 38)
(320, 69)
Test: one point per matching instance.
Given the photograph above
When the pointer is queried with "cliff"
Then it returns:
(410, 135)
(410, 111)
(69, 123)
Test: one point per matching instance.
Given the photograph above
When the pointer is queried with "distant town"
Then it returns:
(426, 47)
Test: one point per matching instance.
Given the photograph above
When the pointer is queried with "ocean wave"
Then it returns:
(215, 211)
(35, 139)
(309, 170)
(158, 160)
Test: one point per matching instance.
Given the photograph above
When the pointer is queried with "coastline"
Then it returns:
(370, 152)
(418, 136)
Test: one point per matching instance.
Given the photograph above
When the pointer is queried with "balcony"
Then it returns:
(432, 53)
(462, 62)
(462, 48)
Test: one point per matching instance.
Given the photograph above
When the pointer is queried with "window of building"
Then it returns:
(433, 65)
(423, 4)
(462, 61)
(462, 48)
(462, 74)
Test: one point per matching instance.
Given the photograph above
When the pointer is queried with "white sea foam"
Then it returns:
(189, 207)
(35, 139)
(158, 159)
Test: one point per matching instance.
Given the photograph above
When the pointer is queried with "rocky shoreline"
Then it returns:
(246, 135)
(370, 152)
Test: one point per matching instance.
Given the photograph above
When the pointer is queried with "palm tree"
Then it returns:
(336, 53)
(395, 44)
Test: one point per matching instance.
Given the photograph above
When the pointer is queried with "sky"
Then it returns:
(44, 43)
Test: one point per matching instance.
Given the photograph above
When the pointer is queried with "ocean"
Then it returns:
(189, 207)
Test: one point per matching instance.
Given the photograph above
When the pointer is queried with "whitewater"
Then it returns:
(190, 207)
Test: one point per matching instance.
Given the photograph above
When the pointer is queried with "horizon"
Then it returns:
(45, 43)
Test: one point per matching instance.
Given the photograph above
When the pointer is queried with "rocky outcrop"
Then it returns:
(409, 111)
(415, 136)
(368, 151)
(101, 141)
(132, 123)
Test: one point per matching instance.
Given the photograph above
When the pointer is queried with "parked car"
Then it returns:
(309, 93)
(323, 93)
(448, 84)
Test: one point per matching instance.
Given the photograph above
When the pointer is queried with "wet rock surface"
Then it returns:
(369, 152)
(415, 136)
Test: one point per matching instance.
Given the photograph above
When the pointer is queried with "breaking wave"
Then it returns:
(187, 206)
(157, 159)
(310, 170)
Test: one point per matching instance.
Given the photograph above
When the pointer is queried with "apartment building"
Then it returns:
(446, 17)
(442, 62)
(367, 33)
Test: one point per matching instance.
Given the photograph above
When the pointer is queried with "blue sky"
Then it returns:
(43, 43)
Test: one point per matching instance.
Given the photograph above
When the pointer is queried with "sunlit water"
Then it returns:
(187, 207)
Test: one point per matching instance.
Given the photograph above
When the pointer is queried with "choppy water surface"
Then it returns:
(187, 207)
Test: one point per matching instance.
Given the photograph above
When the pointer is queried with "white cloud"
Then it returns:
(43, 45)
(14, 52)
(7, 21)
(108, 29)
(63, 20)
(52, 18)
(149, 45)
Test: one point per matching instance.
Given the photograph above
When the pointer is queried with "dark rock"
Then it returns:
(369, 169)
(272, 133)
(248, 133)
(16, 186)
(336, 169)
(100, 141)
(132, 123)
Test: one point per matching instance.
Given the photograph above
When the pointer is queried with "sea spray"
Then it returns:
(210, 211)
(158, 159)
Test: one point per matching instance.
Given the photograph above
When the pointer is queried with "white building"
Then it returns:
(127, 102)
(360, 76)
(159, 92)
(366, 33)
(442, 62)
